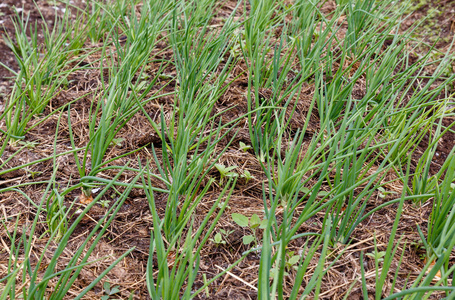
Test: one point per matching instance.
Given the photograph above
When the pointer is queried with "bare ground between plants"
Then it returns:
(131, 228)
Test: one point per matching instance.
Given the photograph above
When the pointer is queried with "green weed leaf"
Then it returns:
(247, 239)
(240, 219)
(255, 221)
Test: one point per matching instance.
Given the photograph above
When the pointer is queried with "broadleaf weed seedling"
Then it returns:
(109, 291)
(226, 171)
(221, 236)
(254, 222)
(247, 176)
(244, 147)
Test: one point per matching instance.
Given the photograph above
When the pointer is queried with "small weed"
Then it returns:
(253, 223)
(292, 260)
(221, 236)
(33, 173)
(117, 142)
(382, 193)
(246, 175)
(226, 171)
(378, 256)
(104, 203)
(28, 144)
(108, 291)
(244, 147)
